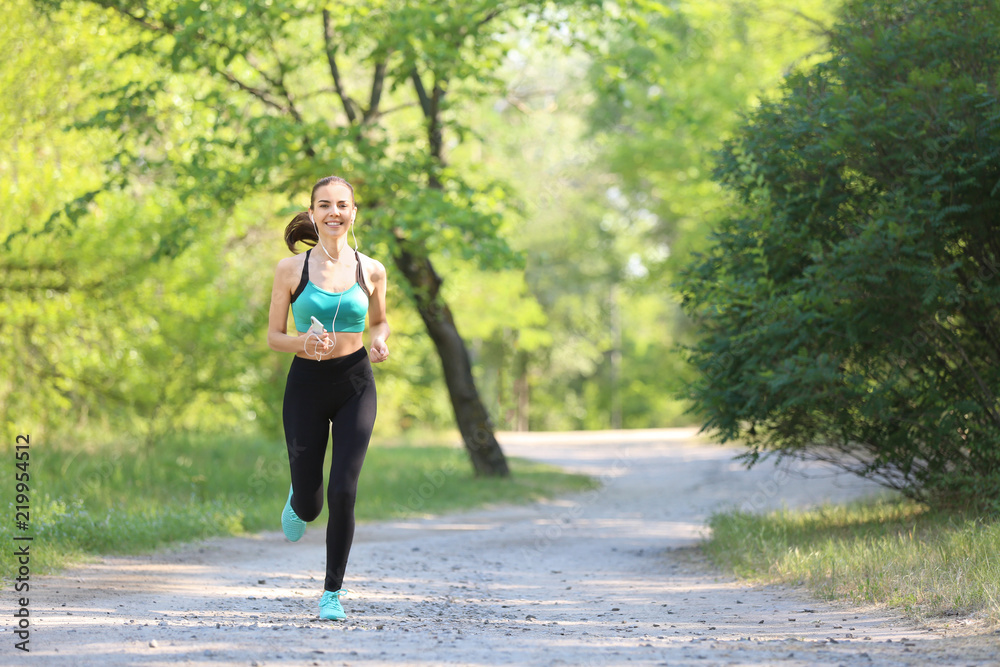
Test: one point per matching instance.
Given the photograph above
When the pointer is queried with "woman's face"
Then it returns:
(333, 209)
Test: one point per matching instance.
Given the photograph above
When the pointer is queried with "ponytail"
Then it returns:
(300, 229)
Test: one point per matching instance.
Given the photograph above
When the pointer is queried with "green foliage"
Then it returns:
(672, 78)
(95, 331)
(591, 346)
(850, 310)
(154, 151)
(626, 191)
(205, 124)
(267, 80)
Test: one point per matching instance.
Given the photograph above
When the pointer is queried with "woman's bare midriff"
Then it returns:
(347, 343)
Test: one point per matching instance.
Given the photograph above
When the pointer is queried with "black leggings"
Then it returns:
(340, 391)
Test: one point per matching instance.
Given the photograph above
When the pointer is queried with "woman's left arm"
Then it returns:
(378, 326)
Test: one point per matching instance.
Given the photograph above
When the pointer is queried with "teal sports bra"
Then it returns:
(337, 311)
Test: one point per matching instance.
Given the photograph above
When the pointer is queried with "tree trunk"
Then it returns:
(521, 391)
(470, 414)
(616, 360)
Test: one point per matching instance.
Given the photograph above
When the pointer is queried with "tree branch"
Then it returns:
(821, 28)
(418, 85)
(431, 106)
(398, 107)
(378, 81)
(346, 101)
(989, 399)
(279, 83)
(492, 14)
(167, 28)
(257, 68)
(145, 24)
(287, 94)
(261, 95)
(434, 132)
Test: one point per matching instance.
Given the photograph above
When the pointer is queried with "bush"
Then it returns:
(851, 309)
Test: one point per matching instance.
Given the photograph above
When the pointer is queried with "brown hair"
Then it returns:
(301, 228)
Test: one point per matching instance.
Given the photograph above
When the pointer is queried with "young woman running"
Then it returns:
(330, 381)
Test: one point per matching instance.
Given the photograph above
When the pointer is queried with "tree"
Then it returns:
(370, 89)
(672, 79)
(80, 349)
(584, 253)
(849, 308)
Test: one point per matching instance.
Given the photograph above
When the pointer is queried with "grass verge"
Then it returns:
(885, 551)
(130, 499)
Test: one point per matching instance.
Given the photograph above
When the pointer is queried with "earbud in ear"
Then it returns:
(311, 219)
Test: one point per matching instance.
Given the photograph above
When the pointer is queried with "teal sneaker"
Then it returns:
(291, 524)
(329, 606)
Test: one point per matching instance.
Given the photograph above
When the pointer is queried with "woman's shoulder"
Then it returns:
(290, 267)
(372, 267)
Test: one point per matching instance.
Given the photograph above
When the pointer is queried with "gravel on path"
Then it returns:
(610, 576)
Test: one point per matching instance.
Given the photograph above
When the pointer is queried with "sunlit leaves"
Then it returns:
(672, 88)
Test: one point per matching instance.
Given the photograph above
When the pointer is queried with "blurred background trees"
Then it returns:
(147, 182)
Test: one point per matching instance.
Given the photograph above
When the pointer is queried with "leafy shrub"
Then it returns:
(851, 308)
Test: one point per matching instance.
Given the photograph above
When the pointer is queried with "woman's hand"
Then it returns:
(316, 345)
(379, 351)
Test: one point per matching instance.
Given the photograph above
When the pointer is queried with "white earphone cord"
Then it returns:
(316, 353)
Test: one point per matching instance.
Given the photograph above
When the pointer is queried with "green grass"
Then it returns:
(130, 498)
(886, 551)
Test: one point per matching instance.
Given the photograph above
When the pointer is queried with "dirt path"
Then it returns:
(603, 578)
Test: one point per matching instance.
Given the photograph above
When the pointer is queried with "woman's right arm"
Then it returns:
(286, 278)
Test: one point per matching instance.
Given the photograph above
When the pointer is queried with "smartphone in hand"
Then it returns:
(317, 327)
